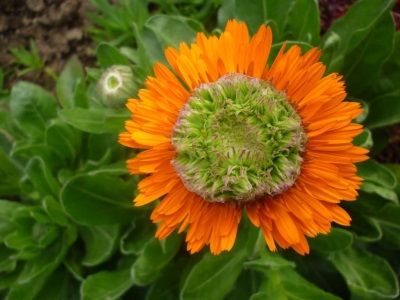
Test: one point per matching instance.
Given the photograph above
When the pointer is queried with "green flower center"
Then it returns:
(238, 139)
(113, 82)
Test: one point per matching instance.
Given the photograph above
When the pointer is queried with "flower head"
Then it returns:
(226, 133)
(116, 84)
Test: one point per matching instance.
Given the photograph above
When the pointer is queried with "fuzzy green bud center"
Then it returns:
(116, 85)
(113, 82)
(238, 139)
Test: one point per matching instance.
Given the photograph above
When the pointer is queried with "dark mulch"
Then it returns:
(56, 26)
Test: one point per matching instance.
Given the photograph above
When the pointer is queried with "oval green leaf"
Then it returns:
(337, 240)
(100, 243)
(98, 200)
(32, 107)
(66, 83)
(213, 276)
(367, 275)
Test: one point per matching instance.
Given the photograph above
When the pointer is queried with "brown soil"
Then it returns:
(56, 26)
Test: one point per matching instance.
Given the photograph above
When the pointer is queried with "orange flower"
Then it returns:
(178, 119)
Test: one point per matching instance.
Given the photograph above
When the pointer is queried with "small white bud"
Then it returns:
(116, 85)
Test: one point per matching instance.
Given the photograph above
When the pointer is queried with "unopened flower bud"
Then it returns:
(116, 85)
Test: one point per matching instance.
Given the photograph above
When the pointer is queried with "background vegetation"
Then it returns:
(68, 229)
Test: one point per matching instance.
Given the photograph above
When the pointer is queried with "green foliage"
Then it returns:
(356, 266)
(68, 229)
(113, 23)
(29, 60)
(351, 31)
(289, 19)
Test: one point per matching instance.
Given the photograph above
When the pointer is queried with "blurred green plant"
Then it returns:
(30, 60)
(113, 23)
(68, 229)
(199, 10)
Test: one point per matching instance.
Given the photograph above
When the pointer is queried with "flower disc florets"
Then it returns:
(238, 139)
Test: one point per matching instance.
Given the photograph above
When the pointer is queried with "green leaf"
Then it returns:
(116, 169)
(84, 119)
(367, 275)
(161, 31)
(381, 191)
(80, 94)
(246, 285)
(133, 240)
(25, 150)
(95, 120)
(268, 260)
(364, 139)
(7, 280)
(45, 183)
(364, 105)
(100, 243)
(46, 262)
(109, 56)
(378, 179)
(350, 30)
(102, 149)
(381, 138)
(55, 211)
(115, 120)
(107, 285)
(365, 228)
(32, 212)
(36, 271)
(72, 263)
(98, 200)
(382, 116)
(389, 78)
(368, 57)
(303, 22)
(67, 82)
(45, 234)
(32, 107)
(376, 173)
(8, 208)
(155, 257)
(26, 291)
(8, 259)
(389, 215)
(286, 283)
(21, 238)
(214, 275)
(57, 286)
(256, 13)
(262, 296)
(389, 221)
(337, 240)
(9, 174)
(7, 225)
(395, 169)
(143, 59)
(366, 204)
(166, 287)
(63, 139)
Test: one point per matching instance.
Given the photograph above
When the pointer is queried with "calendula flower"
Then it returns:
(226, 133)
